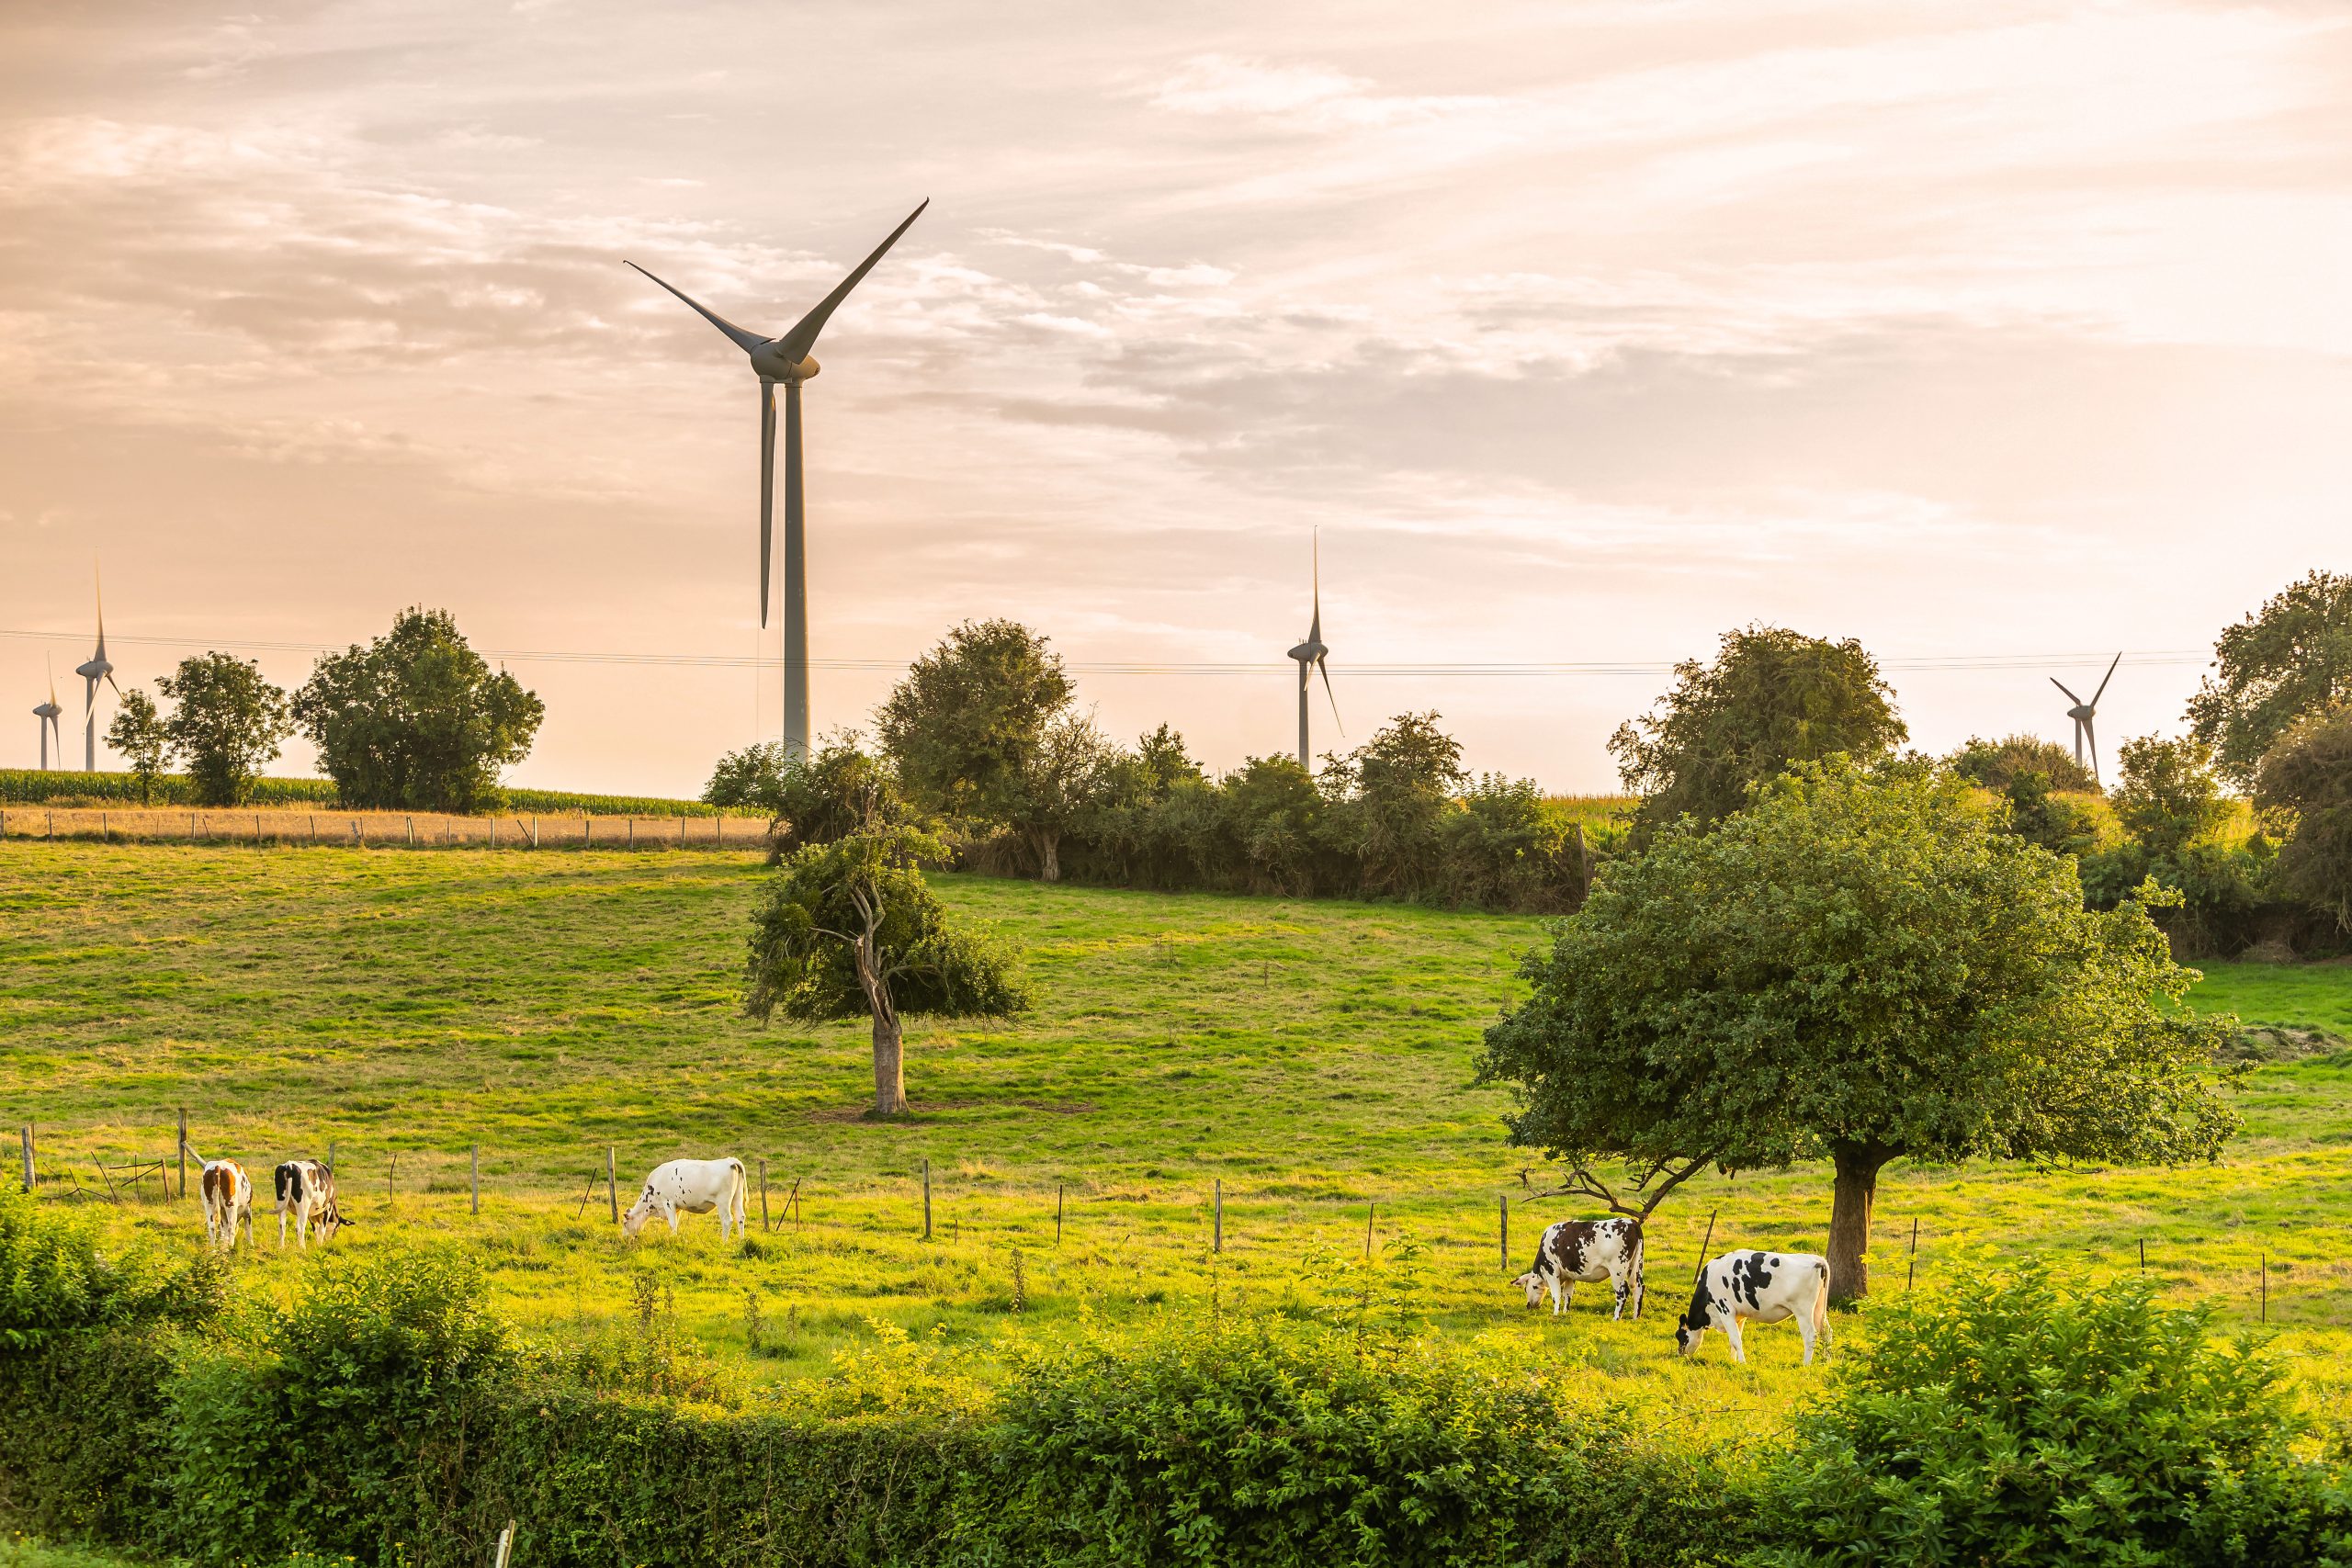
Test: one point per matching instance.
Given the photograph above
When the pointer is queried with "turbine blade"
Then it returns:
(1315, 629)
(2102, 686)
(100, 593)
(52, 663)
(2061, 686)
(1324, 665)
(2091, 735)
(797, 342)
(746, 340)
(110, 681)
(767, 487)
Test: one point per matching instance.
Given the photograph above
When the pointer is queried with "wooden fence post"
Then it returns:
(1911, 1274)
(763, 1195)
(411, 832)
(2266, 1286)
(391, 1173)
(612, 1184)
(632, 832)
(1502, 1225)
(474, 1176)
(184, 1151)
(2144, 1254)
(587, 835)
(29, 1157)
(1702, 1270)
(926, 1200)
(1057, 1213)
(505, 1544)
(1216, 1243)
(494, 830)
(329, 1162)
(535, 831)
(1369, 1210)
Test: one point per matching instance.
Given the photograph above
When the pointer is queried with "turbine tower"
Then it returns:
(1310, 655)
(47, 713)
(787, 359)
(94, 669)
(2083, 713)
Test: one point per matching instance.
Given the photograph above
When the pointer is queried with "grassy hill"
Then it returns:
(1311, 1057)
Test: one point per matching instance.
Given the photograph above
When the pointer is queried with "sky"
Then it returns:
(2000, 336)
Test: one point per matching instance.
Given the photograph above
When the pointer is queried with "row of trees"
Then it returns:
(983, 738)
(415, 720)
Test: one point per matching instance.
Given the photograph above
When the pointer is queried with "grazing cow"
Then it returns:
(691, 1186)
(1586, 1251)
(305, 1191)
(1764, 1286)
(228, 1197)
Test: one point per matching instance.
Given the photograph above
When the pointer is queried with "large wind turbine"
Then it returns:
(787, 359)
(94, 669)
(47, 713)
(2083, 713)
(1310, 657)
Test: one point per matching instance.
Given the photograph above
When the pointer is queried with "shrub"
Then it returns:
(2017, 1422)
(54, 1280)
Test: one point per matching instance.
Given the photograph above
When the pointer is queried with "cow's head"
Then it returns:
(634, 1218)
(1533, 1284)
(1693, 1322)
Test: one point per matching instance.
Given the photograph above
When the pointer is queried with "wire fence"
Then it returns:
(377, 829)
(1481, 1230)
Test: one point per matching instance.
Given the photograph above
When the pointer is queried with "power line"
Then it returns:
(1171, 667)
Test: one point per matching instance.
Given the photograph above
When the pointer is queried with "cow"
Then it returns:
(1764, 1286)
(306, 1192)
(1586, 1251)
(691, 1186)
(228, 1196)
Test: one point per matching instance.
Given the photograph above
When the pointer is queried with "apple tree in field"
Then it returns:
(1861, 966)
(849, 929)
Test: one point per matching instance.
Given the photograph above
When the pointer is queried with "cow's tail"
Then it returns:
(738, 1188)
(1821, 1309)
(290, 1182)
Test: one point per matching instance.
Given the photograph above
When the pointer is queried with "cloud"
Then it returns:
(1313, 98)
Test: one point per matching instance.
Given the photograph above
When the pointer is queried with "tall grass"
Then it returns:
(34, 787)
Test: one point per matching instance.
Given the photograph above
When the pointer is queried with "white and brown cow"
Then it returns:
(228, 1197)
(306, 1195)
(1764, 1286)
(691, 1186)
(1575, 1252)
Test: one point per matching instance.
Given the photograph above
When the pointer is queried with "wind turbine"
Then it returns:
(1310, 657)
(48, 714)
(2083, 713)
(94, 669)
(787, 359)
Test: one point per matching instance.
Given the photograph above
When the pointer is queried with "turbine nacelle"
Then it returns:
(769, 360)
(94, 669)
(1309, 652)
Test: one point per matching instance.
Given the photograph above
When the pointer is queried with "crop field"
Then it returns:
(1312, 1060)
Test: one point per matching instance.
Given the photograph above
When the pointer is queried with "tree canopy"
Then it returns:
(851, 929)
(835, 790)
(1772, 697)
(140, 737)
(1863, 965)
(416, 720)
(226, 722)
(2306, 779)
(965, 725)
(1997, 764)
(2290, 660)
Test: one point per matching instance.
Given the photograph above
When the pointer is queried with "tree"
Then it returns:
(849, 929)
(2290, 660)
(139, 737)
(1864, 965)
(2167, 797)
(1059, 785)
(1393, 796)
(2040, 816)
(1996, 764)
(1772, 698)
(2307, 778)
(837, 791)
(417, 720)
(966, 724)
(226, 722)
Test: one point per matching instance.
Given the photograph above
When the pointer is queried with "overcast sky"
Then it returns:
(1583, 332)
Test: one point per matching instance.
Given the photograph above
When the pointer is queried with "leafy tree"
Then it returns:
(2306, 779)
(849, 929)
(226, 722)
(1772, 698)
(1996, 763)
(2014, 1422)
(745, 779)
(837, 790)
(1863, 965)
(2168, 797)
(2042, 817)
(1271, 818)
(965, 726)
(1393, 796)
(2290, 660)
(1059, 785)
(139, 737)
(417, 720)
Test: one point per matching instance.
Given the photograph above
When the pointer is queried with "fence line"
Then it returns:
(377, 829)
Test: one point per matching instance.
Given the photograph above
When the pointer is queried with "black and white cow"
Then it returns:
(1764, 1286)
(1577, 1252)
(306, 1192)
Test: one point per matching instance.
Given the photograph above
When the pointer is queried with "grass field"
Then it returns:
(1311, 1057)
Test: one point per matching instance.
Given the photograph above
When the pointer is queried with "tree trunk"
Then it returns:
(1850, 1217)
(1049, 855)
(890, 1066)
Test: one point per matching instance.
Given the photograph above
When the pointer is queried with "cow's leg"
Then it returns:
(670, 1211)
(1563, 1292)
(1736, 1341)
(1620, 1290)
(1804, 1333)
(302, 1226)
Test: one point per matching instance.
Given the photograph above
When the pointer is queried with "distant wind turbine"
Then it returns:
(47, 713)
(2083, 713)
(94, 669)
(787, 359)
(1310, 655)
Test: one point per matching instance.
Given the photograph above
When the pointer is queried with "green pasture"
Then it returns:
(1311, 1057)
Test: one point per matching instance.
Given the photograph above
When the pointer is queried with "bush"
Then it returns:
(2016, 1423)
(54, 1281)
